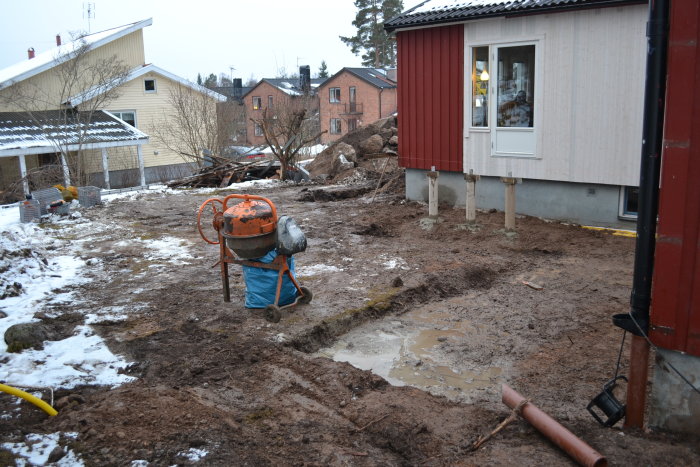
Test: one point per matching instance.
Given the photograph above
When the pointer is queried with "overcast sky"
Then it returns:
(256, 37)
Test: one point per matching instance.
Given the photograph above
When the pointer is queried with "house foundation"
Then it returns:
(674, 405)
(578, 203)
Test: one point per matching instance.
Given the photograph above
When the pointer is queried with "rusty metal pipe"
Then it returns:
(637, 385)
(563, 438)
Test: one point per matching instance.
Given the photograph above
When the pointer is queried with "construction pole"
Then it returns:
(637, 385)
(433, 193)
(470, 199)
(510, 201)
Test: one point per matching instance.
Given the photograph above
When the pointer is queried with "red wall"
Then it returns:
(431, 97)
(675, 312)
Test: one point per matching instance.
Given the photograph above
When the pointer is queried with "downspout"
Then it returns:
(637, 321)
(381, 90)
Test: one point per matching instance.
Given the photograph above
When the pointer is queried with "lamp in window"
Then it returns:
(484, 76)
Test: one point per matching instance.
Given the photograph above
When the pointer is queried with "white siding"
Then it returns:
(590, 103)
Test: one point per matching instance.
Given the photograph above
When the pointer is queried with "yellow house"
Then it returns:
(103, 71)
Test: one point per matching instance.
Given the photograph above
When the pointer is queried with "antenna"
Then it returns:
(89, 12)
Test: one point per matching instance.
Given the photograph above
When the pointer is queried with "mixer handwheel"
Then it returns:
(273, 314)
(216, 215)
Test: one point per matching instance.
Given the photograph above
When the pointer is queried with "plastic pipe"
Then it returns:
(29, 398)
(563, 438)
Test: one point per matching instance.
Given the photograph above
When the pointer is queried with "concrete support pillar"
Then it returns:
(105, 167)
(23, 173)
(433, 193)
(142, 169)
(510, 183)
(470, 198)
(66, 171)
(674, 404)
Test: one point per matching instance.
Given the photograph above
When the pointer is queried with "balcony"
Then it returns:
(352, 108)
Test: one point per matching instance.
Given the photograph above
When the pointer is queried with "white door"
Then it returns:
(513, 93)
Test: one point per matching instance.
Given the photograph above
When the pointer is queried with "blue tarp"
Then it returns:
(261, 283)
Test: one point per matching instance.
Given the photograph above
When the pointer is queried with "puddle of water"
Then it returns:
(419, 351)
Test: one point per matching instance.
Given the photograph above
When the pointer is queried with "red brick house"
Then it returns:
(276, 92)
(353, 97)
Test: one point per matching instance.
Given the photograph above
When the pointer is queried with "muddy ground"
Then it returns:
(219, 378)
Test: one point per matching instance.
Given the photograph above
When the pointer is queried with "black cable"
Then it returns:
(619, 355)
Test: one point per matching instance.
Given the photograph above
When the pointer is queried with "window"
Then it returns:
(334, 95)
(352, 96)
(352, 124)
(149, 85)
(336, 127)
(505, 96)
(257, 103)
(128, 117)
(480, 86)
(258, 130)
(269, 101)
(629, 202)
(516, 86)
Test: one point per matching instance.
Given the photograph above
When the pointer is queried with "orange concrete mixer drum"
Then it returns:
(249, 226)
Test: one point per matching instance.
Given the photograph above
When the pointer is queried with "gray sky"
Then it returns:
(203, 36)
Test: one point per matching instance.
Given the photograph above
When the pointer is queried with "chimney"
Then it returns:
(58, 40)
(305, 78)
(237, 87)
(30, 52)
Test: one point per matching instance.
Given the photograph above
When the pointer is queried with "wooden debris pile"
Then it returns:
(224, 172)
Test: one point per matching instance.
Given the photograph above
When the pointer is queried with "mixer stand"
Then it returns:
(273, 311)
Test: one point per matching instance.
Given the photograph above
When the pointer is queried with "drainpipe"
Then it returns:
(637, 321)
(381, 90)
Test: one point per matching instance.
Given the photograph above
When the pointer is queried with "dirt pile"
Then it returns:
(364, 153)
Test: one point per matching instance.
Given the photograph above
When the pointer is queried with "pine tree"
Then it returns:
(211, 81)
(199, 79)
(377, 46)
(323, 70)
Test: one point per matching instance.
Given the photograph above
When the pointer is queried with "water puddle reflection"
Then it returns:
(423, 349)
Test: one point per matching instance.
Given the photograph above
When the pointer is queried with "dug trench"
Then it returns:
(215, 377)
(394, 301)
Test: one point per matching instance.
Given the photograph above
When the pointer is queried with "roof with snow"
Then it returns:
(373, 76)
(136, 73)
(52, 57)
(289, 86)
(433, 12)
(41, 132)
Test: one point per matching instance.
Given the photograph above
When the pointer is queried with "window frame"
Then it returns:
(150, 91)
(539, 42)
(119, 114)
(269, 102)
(339, 128)
(334, 96)
(259, 104)
(623, 213)
(257, 129)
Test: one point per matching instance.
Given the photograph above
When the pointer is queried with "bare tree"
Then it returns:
(288, 127)
(84, 84)
(196, 124)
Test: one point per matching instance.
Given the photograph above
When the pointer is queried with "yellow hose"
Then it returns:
(29, 398)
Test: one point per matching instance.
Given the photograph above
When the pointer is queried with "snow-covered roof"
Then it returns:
(50, 58)
(41, 132)
(374, 76)
(431, 12)
(136, 73)
(288, 86)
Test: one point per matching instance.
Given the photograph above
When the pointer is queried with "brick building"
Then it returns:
(270, 93)
(353, 97)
